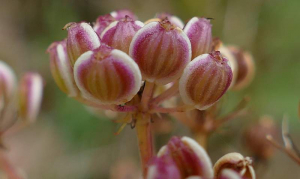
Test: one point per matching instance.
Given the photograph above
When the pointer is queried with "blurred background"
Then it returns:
(68, 141)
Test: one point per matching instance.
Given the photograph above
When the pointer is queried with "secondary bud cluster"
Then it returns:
(23, 99)
(185, 158)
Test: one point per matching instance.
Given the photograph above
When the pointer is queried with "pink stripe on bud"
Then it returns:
(120, 14)
(107, 76)
(173, 19)
(199, 32)
(30, 96)
(102, 22)
(7, 83)
(163, 167)
(120, 33)
(81, 38)
(190, 158)
(205, 80)
(61, 68)
(161, 50)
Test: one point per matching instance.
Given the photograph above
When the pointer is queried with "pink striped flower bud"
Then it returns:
(7, 83)
(190, 158)
(163, 167)
(102, 22)
(61, 68)
(205, 80)
(81, 38)
(173, 19)
(108, 76)
(199, 32)
(120, 14)
(119, 34)
(30, 96)
(161, 50)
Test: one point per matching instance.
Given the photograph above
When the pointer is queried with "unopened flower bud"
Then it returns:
(107, 76)
(173, 19)
(199, 32)
(245, 68)
(229, 174)
(120, 33)
(81, 38)
(232, 61)
(190, 158)
(30, 96)
(7, 82)
(236, 162)
(163, 167)
(161, 50)
(102, 22)
(205, 80)
(61, 68)
(120, 14)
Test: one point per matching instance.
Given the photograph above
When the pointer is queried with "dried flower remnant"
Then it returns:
(190, 158)
(237, 162)
(30, 96)
(120, 33)
(120, 14)
(254, 137)
(173, 19)
(102, 22)
(205, 80)
(107, 76)
(61, 68)
(199, 32)
(81, 38)
(161, 50)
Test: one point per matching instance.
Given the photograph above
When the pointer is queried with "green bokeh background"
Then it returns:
(269, 29)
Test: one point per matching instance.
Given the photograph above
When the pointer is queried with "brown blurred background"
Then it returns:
(70, 142)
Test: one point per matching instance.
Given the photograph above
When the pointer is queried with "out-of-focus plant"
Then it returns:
(120, 63)
(19, 107)
(289, 146)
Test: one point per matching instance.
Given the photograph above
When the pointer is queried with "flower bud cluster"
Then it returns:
(185, 158)
(23, 99)
(106, 63)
